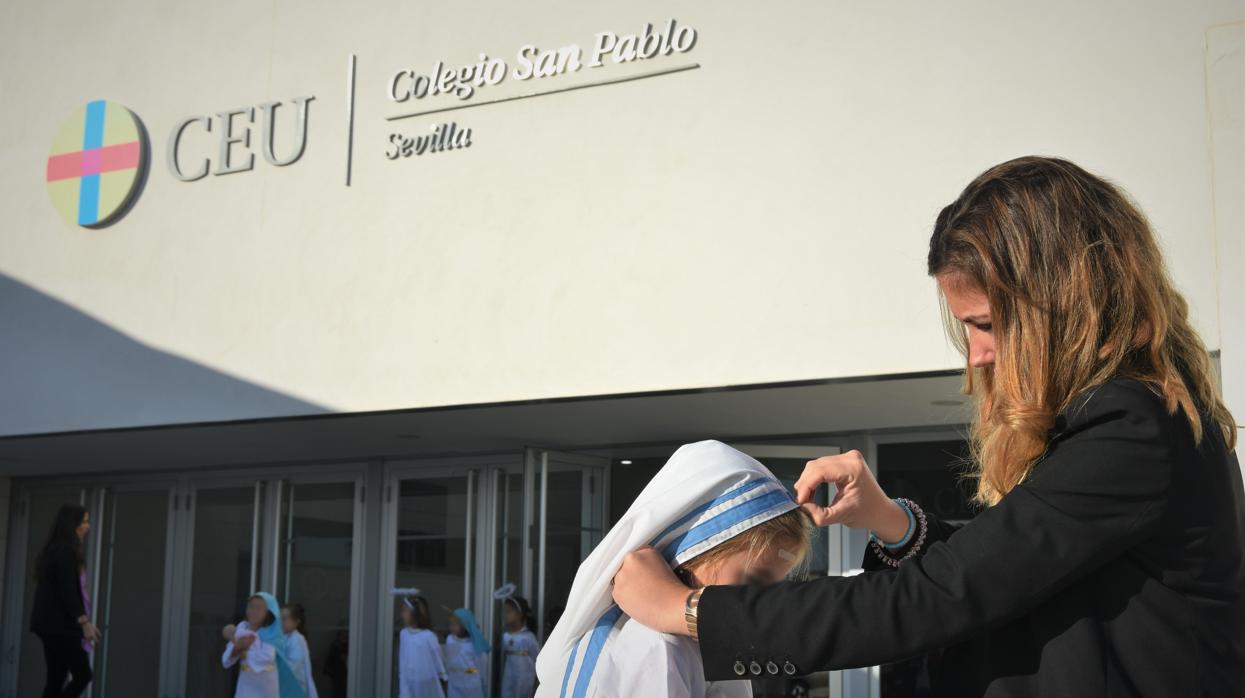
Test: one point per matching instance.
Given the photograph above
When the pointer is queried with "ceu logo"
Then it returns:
(98, 164)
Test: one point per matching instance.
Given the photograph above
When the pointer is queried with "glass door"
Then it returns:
(133, 565)
(315, 569)
(23, 653)
(431, 529)
(220, 572)
(571, 492)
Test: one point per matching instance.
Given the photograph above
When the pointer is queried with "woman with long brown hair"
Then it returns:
(1108, 557)
(61, 612)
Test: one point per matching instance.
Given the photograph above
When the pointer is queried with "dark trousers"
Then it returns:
(64, 656)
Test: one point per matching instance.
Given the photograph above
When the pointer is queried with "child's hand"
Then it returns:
(244, 643)
(228, 632)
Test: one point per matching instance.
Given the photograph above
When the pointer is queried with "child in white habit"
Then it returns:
(518, 672)
(719, 517)
(294, 625)
(421, 673)
(258, 646)
(466, 656)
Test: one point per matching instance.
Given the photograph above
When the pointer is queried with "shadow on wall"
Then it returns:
(63, 370)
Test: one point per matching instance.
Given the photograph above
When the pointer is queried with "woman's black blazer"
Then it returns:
(58, 598)
(1114, 570)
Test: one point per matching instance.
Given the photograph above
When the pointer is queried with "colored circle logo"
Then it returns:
(98, 164)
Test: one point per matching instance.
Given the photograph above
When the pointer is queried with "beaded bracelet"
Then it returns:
(907, 534)
(914, 511)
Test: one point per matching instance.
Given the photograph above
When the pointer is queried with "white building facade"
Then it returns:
(332, 298)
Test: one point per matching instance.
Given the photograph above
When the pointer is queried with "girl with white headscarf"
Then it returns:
(718, 517)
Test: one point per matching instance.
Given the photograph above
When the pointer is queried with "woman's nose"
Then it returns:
(981, 351)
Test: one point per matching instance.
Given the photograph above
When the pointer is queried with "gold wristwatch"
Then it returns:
(691, 612)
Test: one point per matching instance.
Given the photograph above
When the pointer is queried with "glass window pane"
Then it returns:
(220, 584)
(43, 508)
(574, 524)
(316, 548)
(509, 564)
(131, 594)
(431, 547)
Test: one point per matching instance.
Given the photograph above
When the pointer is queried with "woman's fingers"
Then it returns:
(816, 473)
(816, 512)
(836, 470)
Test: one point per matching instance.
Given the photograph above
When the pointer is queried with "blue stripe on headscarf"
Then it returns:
(600, 634)
(570, 664)
(271, 634)
(731, 517)
(468, 620)
(716, 501)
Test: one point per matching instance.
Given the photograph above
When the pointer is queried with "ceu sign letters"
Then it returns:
(99, 159)
(98, 164)
(234, 136)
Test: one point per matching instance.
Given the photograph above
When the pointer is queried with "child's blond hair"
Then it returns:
(792, 530)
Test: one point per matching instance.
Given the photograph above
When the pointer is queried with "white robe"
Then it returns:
(258, 675)
(644, 662)
(420, 669)
(518, 674)
(465, 667)
(299, 658)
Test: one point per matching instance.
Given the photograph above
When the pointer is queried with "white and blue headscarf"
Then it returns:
(271, 634)
(706, 494)
(468, 619)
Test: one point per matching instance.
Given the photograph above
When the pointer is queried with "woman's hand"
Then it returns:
(647, 590)
(859, 502)
(91, 633)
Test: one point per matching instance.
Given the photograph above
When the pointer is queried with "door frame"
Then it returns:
(106, 496)
(479, 521)
(536, 464)
(14, 630)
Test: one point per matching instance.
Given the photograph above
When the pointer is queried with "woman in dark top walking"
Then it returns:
(1108, 559)
(61, 615)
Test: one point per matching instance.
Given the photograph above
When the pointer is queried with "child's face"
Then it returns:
(288, 624)
(256, 612)
(512, 615)
(456, 627)
(407, 616)
(770, 565)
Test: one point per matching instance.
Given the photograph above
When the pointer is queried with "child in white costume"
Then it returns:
(258, 646)
(293, 623)
(466, 656)
(518, 673)
(719, 517)
(421, 673)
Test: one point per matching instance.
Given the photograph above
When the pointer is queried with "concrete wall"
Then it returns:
(760, 218)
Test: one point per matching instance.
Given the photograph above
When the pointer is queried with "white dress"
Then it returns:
(299, 658)
(465, 667)
(258, 675)
(644, 662)
(420, 669)
(518, 674)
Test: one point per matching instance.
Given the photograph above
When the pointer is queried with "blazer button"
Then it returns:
(740, 669)
(755, 668)
(772, 668)
(788, 668)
